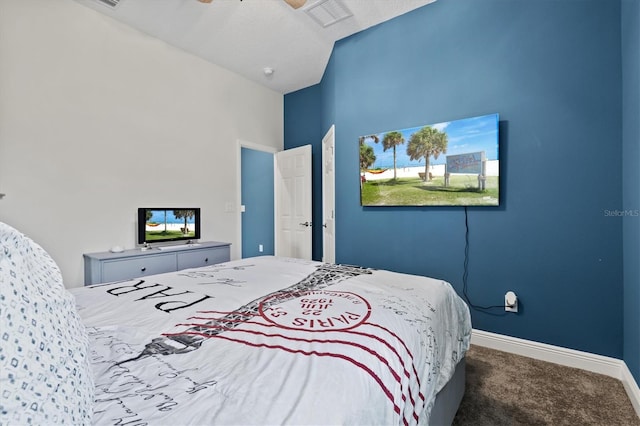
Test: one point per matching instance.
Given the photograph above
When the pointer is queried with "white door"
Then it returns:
(328, 197)
(293, 225)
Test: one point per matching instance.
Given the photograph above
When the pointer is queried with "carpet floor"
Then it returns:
(507, 389)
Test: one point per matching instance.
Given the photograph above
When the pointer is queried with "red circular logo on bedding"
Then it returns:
(316, 310)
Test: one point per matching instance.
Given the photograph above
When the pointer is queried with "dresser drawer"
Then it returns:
(196, 259)
(137, 267)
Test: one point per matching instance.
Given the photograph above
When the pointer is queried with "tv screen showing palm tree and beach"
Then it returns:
(453, 163)
(168, 224)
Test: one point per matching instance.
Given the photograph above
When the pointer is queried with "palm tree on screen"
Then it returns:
(375, 138)
(186, 215)
(391, 140)
(165, 221)
(425, 143)
(367, 158)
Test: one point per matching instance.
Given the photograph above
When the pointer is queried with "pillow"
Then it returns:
(45, 374)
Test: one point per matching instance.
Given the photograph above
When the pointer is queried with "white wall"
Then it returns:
(97, 119)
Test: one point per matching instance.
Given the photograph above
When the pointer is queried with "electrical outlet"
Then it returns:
(510, 302)
(260, 248)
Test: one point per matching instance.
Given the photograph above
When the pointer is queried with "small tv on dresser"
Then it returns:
(160, 224)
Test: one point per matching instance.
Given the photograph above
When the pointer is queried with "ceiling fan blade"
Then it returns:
(296, 3)
(205, 1)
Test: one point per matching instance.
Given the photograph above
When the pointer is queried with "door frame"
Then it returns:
(330, 184)
(238, 209)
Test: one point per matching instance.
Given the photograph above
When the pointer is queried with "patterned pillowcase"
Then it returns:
(45, 374)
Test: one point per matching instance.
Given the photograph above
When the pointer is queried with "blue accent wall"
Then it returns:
(257, 196)
(303, 112)
(552, 70)
(631, 181)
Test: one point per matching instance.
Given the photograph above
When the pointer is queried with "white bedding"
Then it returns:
(272, 341)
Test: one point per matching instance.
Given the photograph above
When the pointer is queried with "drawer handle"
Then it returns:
(143, 269)
(206, 259)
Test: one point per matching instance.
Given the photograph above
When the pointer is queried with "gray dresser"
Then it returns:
(106, 266)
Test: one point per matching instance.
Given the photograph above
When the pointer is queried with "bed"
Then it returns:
(263, 340)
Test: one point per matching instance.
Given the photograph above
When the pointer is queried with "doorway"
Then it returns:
(275, 201)
(257, 202)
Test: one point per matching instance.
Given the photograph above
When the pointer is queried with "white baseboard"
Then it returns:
(631, 387)
(568, 357)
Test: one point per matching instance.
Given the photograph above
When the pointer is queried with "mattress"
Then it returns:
(271, 340)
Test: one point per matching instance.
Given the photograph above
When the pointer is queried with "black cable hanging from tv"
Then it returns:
(465, 274)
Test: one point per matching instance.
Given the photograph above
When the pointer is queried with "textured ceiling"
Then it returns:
(246, 36)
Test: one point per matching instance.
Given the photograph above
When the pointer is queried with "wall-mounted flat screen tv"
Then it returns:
(157, 225)
(454, 163)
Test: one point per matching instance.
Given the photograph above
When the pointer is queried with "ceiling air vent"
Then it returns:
(328, 12)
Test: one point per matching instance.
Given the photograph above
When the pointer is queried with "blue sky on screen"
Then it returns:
(467, 135)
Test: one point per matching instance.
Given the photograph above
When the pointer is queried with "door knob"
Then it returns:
(306, 224)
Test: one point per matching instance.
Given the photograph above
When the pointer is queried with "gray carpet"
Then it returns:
(507, 389)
